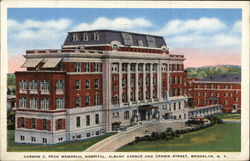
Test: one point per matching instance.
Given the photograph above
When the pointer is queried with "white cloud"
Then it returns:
(120, 23)
(237, 27)
(200, 25)
(57, 25)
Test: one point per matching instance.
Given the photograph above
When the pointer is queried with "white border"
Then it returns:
(243, 155)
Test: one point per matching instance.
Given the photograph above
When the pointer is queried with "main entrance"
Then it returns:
(148, 112)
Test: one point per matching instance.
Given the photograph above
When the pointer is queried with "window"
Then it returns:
(151, 41)
(44, 85)
(115, 46)
(154, 67)
(33, 123)
(87, 102)
(127, 39)
(60, 103)
(78, 102)
(147, 67)
(22, 122)
(96, 36)
(96, 67)
(96, 118)
(124, 83)
(140, 67)
(33, 84)
(59, 124)
(78, 84)
(179, 105)
(147, 94)
(126, 115)
(170, 67)
(88, 134)
(132, 82)
(163, 67)
(34, 102)
(22, 102)
(174, 106)
(44, 140)
(198, 93)
(96, 83)
(87, 120)
(124, 98)
(45, 124)
(45, 103)
(132, 67)
(147, 81)
(59, 85)
(226, 94)
(78, 66)
(33, 139)
(85, 37)
(236, 99)
(87, 84)
(78, 121)
(226, 102)
(22, 138)
(154, 80)
(97, 100)
(140, 43)
(204, 94)
(140, 82)
(87, 67)
(124, 67)
(115, 99)
(23, 85)
(74, 37)
(114, 68)
(97, 133)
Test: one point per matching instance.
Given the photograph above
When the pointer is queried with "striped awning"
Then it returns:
(32, 63)
(51, 62)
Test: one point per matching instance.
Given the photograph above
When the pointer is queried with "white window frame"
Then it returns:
(33, 102)
(78, 84)
(45, 103)
(60, 103)
(96, 36)
(23, 102)
(85, 37)
(23, 85)
(87, 67)
(87, 84)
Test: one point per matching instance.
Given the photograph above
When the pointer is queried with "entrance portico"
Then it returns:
(148, 112)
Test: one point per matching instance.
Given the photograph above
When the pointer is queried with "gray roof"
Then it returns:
(222, 78)
(106, 36)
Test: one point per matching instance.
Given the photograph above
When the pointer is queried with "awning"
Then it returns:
(51, 62)
(31, 63)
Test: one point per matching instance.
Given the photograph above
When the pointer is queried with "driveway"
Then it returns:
(120, 139)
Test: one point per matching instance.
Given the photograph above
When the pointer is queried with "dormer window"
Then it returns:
(85, 37)
(127, 39)
(96, 36)
(74, 37)
(151, 41)
(140, 43)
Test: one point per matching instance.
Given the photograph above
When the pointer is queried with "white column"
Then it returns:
(120, 84)
(151, 81)
(107, 94)
(128, 83)
(168, 82)
(159, 82)
(144, 81)
(136, 82)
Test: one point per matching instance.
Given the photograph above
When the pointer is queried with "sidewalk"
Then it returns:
(116, 141)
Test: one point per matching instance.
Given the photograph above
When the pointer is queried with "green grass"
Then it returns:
(228, 116)
(218, 138)
(66, 146)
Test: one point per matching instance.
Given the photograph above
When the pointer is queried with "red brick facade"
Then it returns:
(226, 94)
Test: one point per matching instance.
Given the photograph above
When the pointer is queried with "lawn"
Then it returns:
(218, 138)
(228, 116)
(80, 145)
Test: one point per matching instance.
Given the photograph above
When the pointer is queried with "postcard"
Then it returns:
(108, 80)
